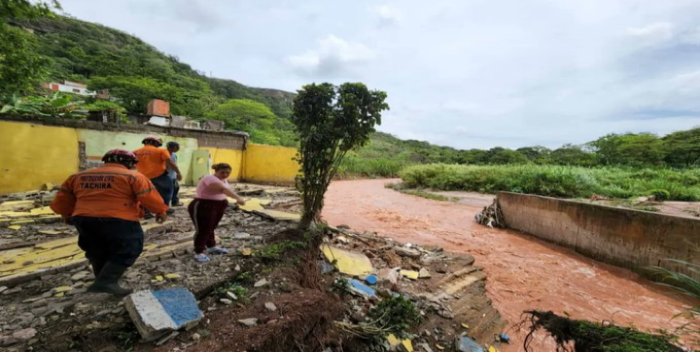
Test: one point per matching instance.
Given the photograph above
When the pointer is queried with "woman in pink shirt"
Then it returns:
(207, 209)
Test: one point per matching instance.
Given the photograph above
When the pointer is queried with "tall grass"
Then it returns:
(556, 181)
(355, 166)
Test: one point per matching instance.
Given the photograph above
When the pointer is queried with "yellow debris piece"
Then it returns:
(172, 276)
(43, 256)
(280, 215)
(393, 341)
(13, 214)
(18, 222)
(493, 349)
(159, 278)
(349, 263)
(465, 326)
(59, 294)
(440, 347)
(62, 289)
(16, 204)
(253, 204)
(407, 345)
(411, 274)
(47, 186)
(246, 251)
(57, 243)
(41, 211)
(154, 225)
(14, 227)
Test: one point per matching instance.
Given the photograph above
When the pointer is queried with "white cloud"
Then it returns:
(653, 33)
(387, 15)
(460, 73)
(331, 57)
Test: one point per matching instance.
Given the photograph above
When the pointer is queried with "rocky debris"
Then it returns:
(156, 313)
(407, 252)
(270, 306)
(491, 216)
(226, 301)
(261, 283)
(249, 322)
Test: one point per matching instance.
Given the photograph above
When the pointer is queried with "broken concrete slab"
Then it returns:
(350, 263)
(156, 313)
(407, 252)
(424, 273)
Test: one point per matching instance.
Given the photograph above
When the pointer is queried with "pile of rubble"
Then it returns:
(266, 295)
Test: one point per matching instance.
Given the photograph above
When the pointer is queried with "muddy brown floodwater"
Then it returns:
(523, 272)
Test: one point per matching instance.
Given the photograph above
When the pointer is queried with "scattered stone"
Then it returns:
(390, 275)
(249, 322)
(62, 289)
(392, 259)
(446, 314)
(155, 312)
(237, 268)
(270, 306)
(167, 338)
(241, 235)
(12, 290)
(424, 274)
(407, 252)
(325, 267)
(261, 283)
(3, 289)
(80, 276)
(196, 337)
(24, 334)
(425, 347)
(226, 301)
(232, 296)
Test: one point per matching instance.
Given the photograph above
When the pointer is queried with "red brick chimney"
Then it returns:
(159, 107)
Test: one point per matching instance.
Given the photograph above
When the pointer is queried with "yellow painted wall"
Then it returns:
(31, 155)
(270, 164)
(229, 156)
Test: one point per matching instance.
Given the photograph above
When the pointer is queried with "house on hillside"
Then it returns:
(70, 87)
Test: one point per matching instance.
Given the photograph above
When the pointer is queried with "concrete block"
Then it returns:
(157, 313)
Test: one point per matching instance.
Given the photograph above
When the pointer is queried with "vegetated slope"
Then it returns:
(82, 51)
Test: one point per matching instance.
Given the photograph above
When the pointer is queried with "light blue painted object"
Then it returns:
(362, 288)
(372, 280)
(466, 344)
(180, 304)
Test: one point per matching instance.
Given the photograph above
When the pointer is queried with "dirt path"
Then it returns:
(524, 273)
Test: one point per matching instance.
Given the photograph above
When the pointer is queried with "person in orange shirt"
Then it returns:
(104, 205)
(154, 163)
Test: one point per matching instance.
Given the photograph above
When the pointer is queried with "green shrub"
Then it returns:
(557, 181)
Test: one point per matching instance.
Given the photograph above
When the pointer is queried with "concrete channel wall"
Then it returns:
(627, 238)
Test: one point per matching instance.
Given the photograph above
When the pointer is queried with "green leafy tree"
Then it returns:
(502, 156)
(21, 66)
(330, 121)
(570, 154)
(244, 115)
(134, 93)
(638, 150)
(682, 149)
(537, 154)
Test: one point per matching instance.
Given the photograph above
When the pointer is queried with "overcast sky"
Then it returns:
(463, 73)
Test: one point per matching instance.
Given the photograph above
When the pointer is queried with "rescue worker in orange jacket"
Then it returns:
(154, 163)
(104, 205)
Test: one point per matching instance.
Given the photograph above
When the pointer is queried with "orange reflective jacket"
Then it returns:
(110, 191)
(152, 161)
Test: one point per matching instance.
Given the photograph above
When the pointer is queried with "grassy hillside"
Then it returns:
(136, 72)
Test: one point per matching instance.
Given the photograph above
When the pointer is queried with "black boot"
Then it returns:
(108, 281)
(97, 266)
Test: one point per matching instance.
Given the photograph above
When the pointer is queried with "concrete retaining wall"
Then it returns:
(627, 238)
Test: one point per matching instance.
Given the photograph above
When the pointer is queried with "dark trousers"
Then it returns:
(164, 185)
(109, 240)
(175, 200)
(206, 215)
